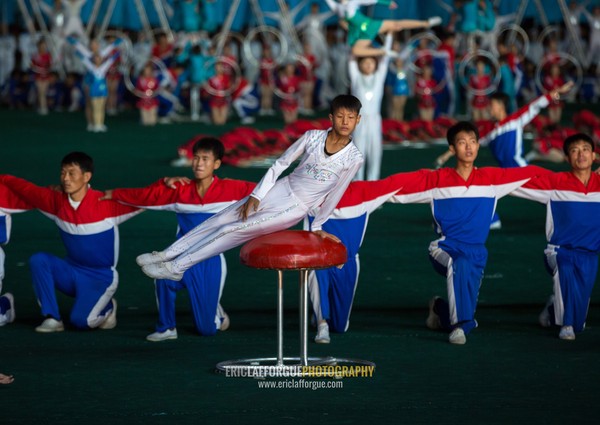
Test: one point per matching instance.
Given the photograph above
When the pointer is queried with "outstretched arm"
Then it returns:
(283, 162)
(334, 197)
(526, 114)
(42, 198)
(537, 189)
(6, 379)
(10, 202)
(158, 195)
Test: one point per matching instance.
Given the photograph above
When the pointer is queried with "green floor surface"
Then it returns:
(510, 371)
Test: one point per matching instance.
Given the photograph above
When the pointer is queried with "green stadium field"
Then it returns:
(510, 371)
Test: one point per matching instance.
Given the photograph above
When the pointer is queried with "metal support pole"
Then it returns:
(518, 19)
(303, 317)
(279, 318)
(93, 17)
(541, 13)
(162, 16)
(27, 17)
(575, 40)
(144, 19)
(521, 12)
(260, 19)
(289, 26)
(51, 41)
(226, 28)
(106, 20)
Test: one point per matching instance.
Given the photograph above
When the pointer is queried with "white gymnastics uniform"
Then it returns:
(8, 47)
(594, 47)
(313, 31)
(368, 134)
(319, 179)
(73, 23)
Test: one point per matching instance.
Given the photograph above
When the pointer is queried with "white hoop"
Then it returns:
(125, 47)
(236, 71)
(160, 65)
(291, 96)
(283, 44)
(216, 40)
(417, 39)
(170, 35)
(463, 67)
(564, 57)
(518, 30)
(546, 32)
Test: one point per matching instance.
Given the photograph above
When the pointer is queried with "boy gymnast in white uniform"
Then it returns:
(328, 162)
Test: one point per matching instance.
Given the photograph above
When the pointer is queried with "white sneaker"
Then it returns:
(323, 334)
(9, 315)
(161, 271)
(392, 54)
(433, 320)
(102, 128)
(457, 336)
(181, 162)
(496, 225)
(150, 258)
(90, 127)
(50, 325)
(544, 317)
(434, 21)
(111, 319)
(567, 333)
(224, 318)
(162, 336)
(248, 120)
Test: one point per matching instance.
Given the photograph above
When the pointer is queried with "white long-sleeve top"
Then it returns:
(312, 24)
(100, 70)
(85, 52)
(319, 179)
(369, 88)
(594, 22)
(348, 9)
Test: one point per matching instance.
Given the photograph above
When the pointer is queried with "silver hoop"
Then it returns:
(546, 32)
(160, 65)
(125, 47)
(236, 70)
(247, 44)
(462, 73)
(220, 38)
(518, 30)
(289, 96)
(169, 33)
(563, 58)
(417, 39)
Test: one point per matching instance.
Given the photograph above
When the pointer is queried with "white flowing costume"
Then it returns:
(73, 23)
(8, 47)
(312, 27)
(369, 90)
(319, 179)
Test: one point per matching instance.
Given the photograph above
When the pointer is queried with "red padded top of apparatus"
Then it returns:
(292, 250)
